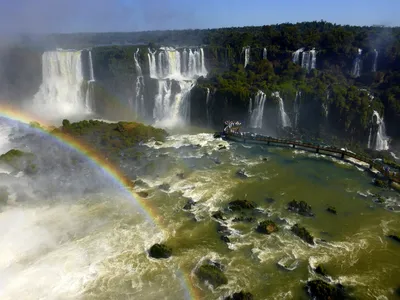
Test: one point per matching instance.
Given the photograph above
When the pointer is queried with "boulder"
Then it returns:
(217, 135)
(302, 208)
(320, 290)
(212, 274)
(240, 204)
(189, 204)
(394, 237)
(181, 175)
(267, 227)
(331, 209)
(160, 251)
(164, 187)
(320, 270)
(302, 233)
(218, 215)
(240, 296)
(241, 173)
(225, 239)
(143, 194)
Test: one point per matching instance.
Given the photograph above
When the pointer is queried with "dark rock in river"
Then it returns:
(217, 215)
(269, 200)
(302, 233)
(160, 251)
(164, 187)
(243, 219)
(223, 229)
(221, 147)
(240, 204)
(240, 296)
(225, 239)
(241, 173)
(320, 290)
(302, 208)
(180, 175)
(267, 227)
(331, 209)
(320, 270)
(394, 237)
(212, 274)
(143, 194)
(381, 183)
(217, 135)
(189, 204)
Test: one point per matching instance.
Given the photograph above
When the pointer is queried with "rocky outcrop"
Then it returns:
(242, 295)
(267, 227)
(302, 208)
(332, 210)
(237, 205)
(303, 233)
(212, 274)
(320, 290)
(160, 251)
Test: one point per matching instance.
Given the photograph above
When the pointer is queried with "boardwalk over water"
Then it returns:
(321, 149)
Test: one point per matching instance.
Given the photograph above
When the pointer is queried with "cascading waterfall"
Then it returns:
(89, 90)
(309, 59)
(355, 72)
(139, 87)
(296, 55)
(285, 121)
(246, 51)
(256, 110)
(369, 138)
(169, 65)
(296, 108)
(91, 71)
(381, 139)
(375, 60)
(265, 53)
(313, 54)
(208, 107)
(61, 91)
(325, 105)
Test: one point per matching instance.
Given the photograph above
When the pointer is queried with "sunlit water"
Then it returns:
(92, 243)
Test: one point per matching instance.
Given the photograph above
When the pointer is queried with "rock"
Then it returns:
(221, 147)
(158, 143)
(243, 219)
(241, 173)
(398, 291)
(217, 135)
(379, 199)
(160, 251)
(225, 239)
(140, 182)
(164, 187)
(218, 215)
(331, 209)
(223, 229)
(267, 227)
(265, 159)
(240, 204)
(143, 194)
(302, 233)
(302, 208)
(240, 296)
(269, 200)
(394, 237)
(189, 204)
(320, 270)
(212, 274)
(320, 290)
(180, 175)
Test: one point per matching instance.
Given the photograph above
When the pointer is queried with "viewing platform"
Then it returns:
(253, 138)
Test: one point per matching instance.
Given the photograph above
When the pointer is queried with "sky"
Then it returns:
(64, 16)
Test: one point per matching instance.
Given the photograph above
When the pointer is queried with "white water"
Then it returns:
(139, 88)
(296, 108)
(309, 59)
(382, 140)
(91, 71)
(265, 52)
(208, 107)
(89, 90)
(61, 94)
(285, 121)
(246, 51)
(375, 60)
(356, 71)
(256, 110)
(369, 138)
(296, 55)
(168, 65)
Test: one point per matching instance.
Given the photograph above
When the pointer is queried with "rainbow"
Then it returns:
(95, 157)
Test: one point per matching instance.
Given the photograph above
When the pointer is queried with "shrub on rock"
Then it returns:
(212, 274)
(303, 233)
(302, 208)
(267, 227)
(240, 204)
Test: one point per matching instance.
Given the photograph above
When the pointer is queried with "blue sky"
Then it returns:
(136, 15)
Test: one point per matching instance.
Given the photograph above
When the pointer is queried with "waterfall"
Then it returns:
(256, 110)
(246, 51)
(91, 72)
(169, 65)
(309, 59)
(296, 108)
(369, 138)
(265, 53)
(382, 140)
(139, 87)
(325, 105)
(375, 60)
(285, 121)
(355, 72)
(61, 91)
(296, 55)
(89, 90)
(208, 107)
(313, 58)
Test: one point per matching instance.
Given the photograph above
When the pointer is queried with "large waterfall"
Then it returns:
(356, 71)
(139, 88)
(61, 93)
(285, 121)
(381, 139)
(169, 66)
(246, 51)
(375, 60)
(256, 110)
(89, 91)
(296, 55)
